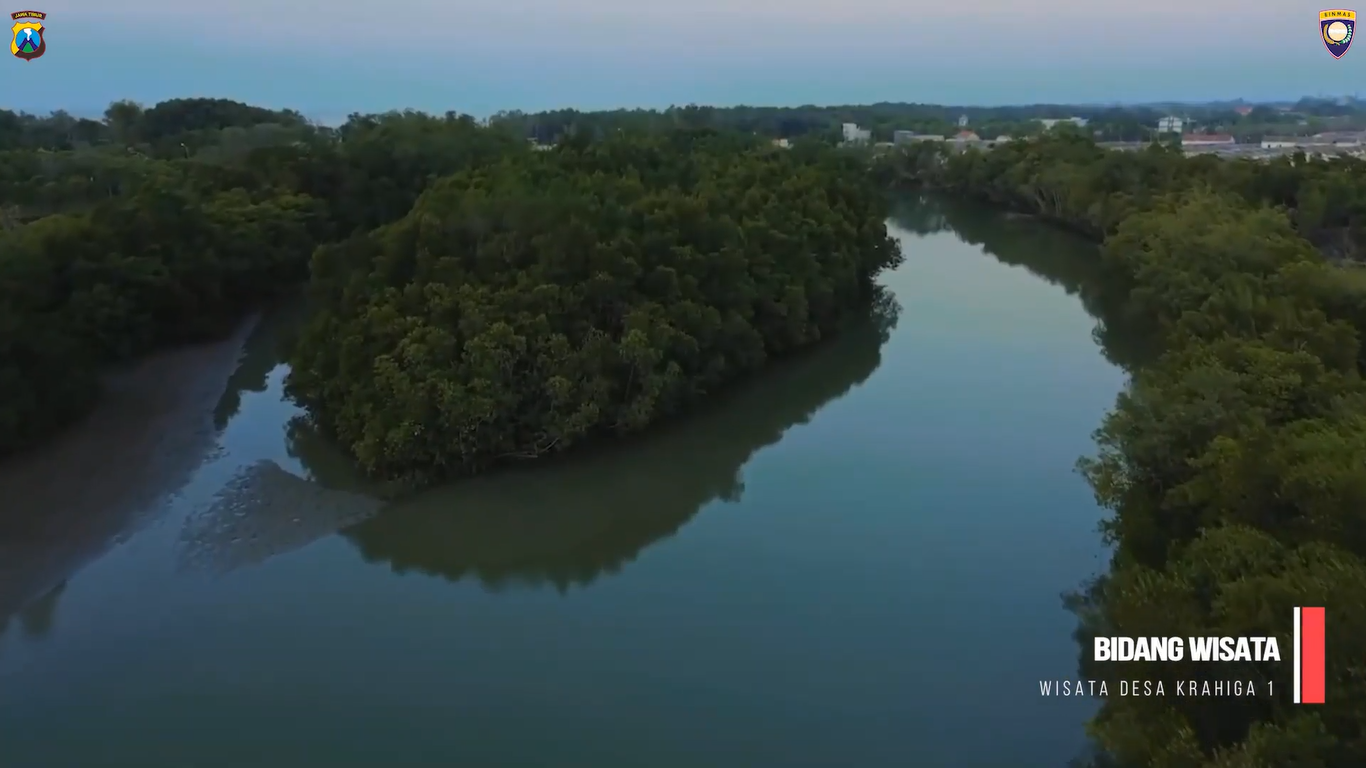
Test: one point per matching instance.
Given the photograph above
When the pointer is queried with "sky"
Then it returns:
(327, 58)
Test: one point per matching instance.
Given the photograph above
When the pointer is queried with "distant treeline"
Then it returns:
(1235, 463)
(182, 127)
(1105, 123)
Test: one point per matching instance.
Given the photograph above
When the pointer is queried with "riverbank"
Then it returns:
(68, 501)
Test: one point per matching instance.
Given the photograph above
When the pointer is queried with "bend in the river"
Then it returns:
(855, 557)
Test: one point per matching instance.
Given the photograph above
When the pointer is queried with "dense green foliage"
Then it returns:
(163, 226)
(1233, 462)
(527, 305)
(591, 289)
(1072, 181)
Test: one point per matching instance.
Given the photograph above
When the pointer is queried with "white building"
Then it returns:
(1281, 142)
(1170, 125)
(1080, 122)
(856, 135)
(1206, 139)
(962, 121)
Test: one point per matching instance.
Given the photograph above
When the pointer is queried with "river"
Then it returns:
(856, 559)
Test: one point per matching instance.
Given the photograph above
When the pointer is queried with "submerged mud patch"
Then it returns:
(65, 503)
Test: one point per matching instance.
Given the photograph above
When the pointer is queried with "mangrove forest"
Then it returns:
(489, 293)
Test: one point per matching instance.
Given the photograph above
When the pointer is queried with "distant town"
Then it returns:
(1193, 135)
(1312, 125)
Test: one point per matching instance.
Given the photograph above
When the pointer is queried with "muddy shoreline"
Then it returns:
(64, 504)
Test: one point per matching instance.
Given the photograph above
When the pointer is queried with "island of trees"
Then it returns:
(551, 297)
(476, 299)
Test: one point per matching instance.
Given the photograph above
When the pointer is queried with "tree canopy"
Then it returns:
(164, 225)
(526, 305)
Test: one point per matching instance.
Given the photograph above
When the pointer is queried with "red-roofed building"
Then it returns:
(1244, 111)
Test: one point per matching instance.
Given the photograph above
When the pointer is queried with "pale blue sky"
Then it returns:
(330, 58)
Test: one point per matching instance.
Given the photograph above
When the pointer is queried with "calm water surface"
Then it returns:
(855, 560)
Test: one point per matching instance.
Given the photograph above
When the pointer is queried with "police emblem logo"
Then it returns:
(28, 42)
(1337, 28)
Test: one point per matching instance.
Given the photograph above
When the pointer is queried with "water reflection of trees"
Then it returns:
(265, 510)
(1053, 254)
(569, 521)
(261, 353)
(1071, 262)
(35, 619)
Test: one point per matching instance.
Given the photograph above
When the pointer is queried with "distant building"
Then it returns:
(1206, 139)
(1243, 111)
(1048, 123)
(1004, 138)
(962, 121)
(856, 135)
(910, 137)
(1339, 138)
(1332, 140)
(784, 143)
(1170, 125)
(967, 136)
(1281, 142)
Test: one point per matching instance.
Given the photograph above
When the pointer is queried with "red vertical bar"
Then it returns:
(1311, 655)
